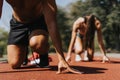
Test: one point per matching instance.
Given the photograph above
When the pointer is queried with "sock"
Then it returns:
(44, 61)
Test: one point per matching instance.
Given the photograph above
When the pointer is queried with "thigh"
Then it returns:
(18, 33)
(16, 55)
(78, 45)
(39, 41)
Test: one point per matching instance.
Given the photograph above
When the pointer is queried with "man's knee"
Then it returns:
(14, 64)
(16, 55)
(39, 46)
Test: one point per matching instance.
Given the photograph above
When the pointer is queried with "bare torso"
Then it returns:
(83, 28)
(26, 10)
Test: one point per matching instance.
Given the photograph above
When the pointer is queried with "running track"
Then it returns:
(92, 71)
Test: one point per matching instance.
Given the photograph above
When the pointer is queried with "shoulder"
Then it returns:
(97, 23)
(77, 24)
(50, 3)
(79, 20)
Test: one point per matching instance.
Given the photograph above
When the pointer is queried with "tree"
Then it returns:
(3, 41)
(63, 27)
(108, 11)
(114, 28)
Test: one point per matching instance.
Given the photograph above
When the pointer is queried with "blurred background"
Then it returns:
(108, 11)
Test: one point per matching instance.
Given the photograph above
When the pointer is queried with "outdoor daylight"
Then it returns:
(59, 39)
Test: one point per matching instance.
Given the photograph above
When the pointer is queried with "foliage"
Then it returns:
(63, 27)
(109, 13)
(3, 41)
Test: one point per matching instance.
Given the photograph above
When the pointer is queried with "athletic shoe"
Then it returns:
(41, 61)
(36, 61)
(44, 61)
(85, 56)
(25, 61)
(77, 58)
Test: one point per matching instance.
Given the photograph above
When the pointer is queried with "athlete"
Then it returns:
(32, 21)
(82, 38)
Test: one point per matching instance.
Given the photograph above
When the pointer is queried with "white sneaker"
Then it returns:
(36, 61)
(85, 56)
(77, 57)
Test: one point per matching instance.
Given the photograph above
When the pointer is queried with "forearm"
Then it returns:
(51, 21)
(69, 51)
(101, 44)
(102, 48)
(73, 37)
(100, 38)
(56, 39)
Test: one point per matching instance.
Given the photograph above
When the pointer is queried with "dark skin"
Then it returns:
(1, 2)
(27, 11)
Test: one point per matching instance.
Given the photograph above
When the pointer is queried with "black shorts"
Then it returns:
(19, 32)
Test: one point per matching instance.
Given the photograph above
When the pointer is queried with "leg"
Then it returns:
(78, 49)
(17, 43)
(26, 57)
(16, 55)
(90, 51)
(39, 44)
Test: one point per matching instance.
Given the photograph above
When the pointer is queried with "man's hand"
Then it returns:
(105, 58)
(64, 66)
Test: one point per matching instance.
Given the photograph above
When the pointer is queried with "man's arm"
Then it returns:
(49, 12)
(50, 18)
(1, 4)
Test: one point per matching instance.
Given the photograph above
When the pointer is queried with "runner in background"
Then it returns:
(82, 38)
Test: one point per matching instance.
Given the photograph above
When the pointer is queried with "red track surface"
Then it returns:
(92, 71)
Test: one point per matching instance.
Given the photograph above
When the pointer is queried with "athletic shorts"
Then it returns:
(80, 35)
(19, 32)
